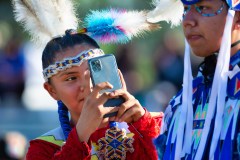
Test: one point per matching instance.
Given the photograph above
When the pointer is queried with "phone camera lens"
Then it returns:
(96, 66)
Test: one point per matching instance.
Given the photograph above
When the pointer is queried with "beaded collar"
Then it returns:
(70, 62)
(235, 59)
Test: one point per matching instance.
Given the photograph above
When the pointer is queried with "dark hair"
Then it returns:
(62, 42)
(207, 67)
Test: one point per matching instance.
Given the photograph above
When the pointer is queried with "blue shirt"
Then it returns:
(229, 142)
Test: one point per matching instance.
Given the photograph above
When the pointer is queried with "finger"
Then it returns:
(101, 86)
(102, 98)
(87, 78)
(125, 106)
(121, 92)
(112, 118)
(128, 114)
(122, 80)
(110, 112)
(87, 74)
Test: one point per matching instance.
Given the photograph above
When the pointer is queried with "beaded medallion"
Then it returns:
(115, 144)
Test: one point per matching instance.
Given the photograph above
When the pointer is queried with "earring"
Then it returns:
(238, 26)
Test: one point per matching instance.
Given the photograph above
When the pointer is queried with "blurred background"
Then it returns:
(152, 66)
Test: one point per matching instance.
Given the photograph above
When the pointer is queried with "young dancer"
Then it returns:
(86, 134)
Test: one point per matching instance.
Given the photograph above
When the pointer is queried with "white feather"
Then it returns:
(45, 19)
(133, 22)
(68, 16)
(166, 10)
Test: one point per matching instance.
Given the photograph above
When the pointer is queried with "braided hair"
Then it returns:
(207, 67)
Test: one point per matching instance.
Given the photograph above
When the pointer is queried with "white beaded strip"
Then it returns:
(70, 62)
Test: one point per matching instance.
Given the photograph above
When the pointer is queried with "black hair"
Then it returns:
(60, 43)
(207, 67)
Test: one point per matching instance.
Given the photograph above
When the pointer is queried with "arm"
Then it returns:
(145, 130)
(148, 125)
(133, 113)
(142, 124)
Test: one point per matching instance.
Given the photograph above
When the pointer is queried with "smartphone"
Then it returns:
(104, 69)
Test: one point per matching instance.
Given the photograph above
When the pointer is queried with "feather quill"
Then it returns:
(170, 11)
(45, 19)
(116, 25)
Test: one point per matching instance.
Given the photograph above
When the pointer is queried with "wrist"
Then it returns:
(138, 115)
(83, 132)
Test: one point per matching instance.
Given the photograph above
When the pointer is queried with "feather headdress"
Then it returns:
(116, 25)
(45, 19)
(166, 10)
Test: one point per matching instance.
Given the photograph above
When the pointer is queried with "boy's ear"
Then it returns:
(237, 20)
(48, 87)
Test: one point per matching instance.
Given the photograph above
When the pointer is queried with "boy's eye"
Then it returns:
(70, 78)
(202, 8)
(186, 8)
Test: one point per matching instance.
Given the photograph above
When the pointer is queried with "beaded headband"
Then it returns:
(69, 62)
(233, 4)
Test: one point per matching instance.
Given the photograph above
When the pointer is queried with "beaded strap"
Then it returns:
(69, 62)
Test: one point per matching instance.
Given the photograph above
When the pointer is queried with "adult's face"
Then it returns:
(204, 34)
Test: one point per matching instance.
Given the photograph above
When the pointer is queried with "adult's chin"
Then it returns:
(201, 52)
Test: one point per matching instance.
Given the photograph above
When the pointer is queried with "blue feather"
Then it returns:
(100, 26)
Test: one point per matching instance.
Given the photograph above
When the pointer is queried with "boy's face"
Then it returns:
(72, 85)
(204, 34)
